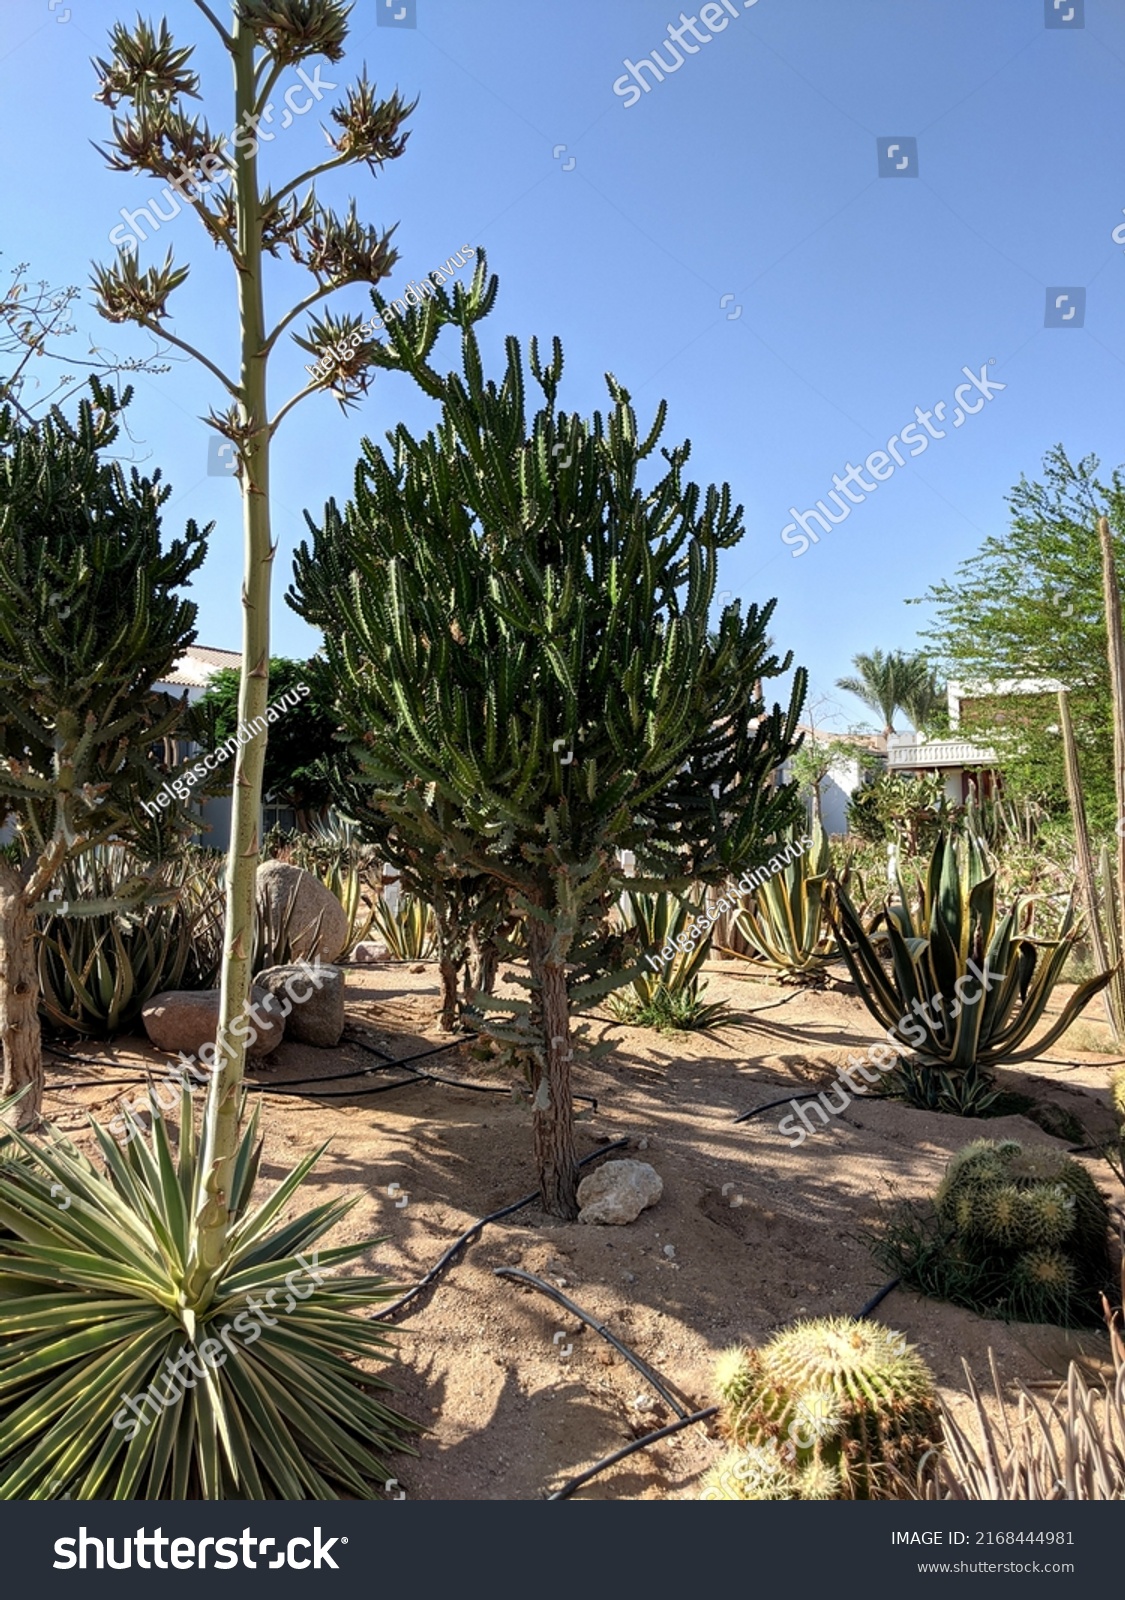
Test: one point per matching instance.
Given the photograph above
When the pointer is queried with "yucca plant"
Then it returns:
(96, 973)
(783, 919)
(669, 997)
(98, 1322)
(407, 930)
(950, 938)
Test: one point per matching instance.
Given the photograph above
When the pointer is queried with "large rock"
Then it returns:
(319, 1018)
(318, 923)
(188, 1019)
(618, 1192)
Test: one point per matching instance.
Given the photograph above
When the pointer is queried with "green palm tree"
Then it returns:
(923, 695)
(880, 682)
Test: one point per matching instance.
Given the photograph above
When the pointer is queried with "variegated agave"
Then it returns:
(961, 986)
(783, 919)
(93, 1314)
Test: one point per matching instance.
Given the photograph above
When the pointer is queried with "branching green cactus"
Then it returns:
(828, 1409)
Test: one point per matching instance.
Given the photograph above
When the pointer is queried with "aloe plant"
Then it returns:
(783, 919)
(668, 995)
(962, 988)
(98, 1322)
(96, 973)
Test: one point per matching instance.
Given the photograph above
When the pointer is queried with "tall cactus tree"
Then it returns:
(218, 176)
(92, 615)
(521, 628)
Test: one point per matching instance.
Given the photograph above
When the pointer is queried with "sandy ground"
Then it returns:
(750, 1232)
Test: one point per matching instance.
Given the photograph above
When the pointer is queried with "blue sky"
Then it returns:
(751, 172)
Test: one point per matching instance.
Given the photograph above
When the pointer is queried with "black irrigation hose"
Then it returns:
(470, 1234)
(770, 1105)
(683, 1421)
(518, 1275)
(572, 1484)
(876, 1299)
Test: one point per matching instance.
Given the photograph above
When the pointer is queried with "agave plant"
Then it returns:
(117, 1383)
(961, 986)
(97, 972)
(669, 997)
(783, 919)
(408, 930)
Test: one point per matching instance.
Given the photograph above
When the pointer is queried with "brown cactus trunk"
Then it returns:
(556, 1156)
(20, 1038)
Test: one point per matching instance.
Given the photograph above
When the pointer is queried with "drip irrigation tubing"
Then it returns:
(571, 1484)
(683, 1420)
(876, 1299)
(471, 1233)
(517, 1275)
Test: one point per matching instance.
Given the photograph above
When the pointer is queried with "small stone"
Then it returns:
(421, 967)
(669, 1250)
(630, 1277)
(370, 950)
(642, 1144)
(618, 1192)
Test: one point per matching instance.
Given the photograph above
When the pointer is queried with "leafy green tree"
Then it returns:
(300, 743)
(218, 176)
(1028, 606)
(518, 626)
(879, 681)
(92, 615)
(818, 759)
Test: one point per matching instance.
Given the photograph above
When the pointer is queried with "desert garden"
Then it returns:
(556, 1108)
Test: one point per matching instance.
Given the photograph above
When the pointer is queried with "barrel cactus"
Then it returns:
(1029, 1232)
(829, 1409)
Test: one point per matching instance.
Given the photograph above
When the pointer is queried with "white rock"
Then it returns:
(369, 950)
(618, 1192)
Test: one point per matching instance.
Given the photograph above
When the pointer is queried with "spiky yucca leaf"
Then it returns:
(408, 930)
(93, 1316)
